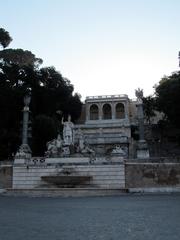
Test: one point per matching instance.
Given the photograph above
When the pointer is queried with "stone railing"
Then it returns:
(107, 96)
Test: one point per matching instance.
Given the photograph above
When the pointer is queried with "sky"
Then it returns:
(104, 47)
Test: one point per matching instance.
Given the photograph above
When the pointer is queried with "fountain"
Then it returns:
(70, 162)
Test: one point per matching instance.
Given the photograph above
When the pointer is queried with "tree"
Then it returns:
(51, 92)
(19, 57)
(168, 97)
(5, 38)
(149, 107)
(44, 130)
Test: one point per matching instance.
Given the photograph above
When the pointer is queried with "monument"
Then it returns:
(24, 151)
(70, 162)
(68, 146)
(142, 149)
(68, 131)
(88, 153)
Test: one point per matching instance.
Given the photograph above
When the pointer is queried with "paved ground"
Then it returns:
(124, 217)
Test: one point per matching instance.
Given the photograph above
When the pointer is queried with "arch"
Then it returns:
(120, 112)
(94, 112)
(107, 112)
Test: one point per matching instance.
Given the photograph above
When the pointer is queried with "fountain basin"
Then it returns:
(66, 181)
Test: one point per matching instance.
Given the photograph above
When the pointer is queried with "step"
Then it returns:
(65, 192)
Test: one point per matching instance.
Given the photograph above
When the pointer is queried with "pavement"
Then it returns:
(127, 217)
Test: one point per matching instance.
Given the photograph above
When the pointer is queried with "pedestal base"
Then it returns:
(142, 150)
(23, 153)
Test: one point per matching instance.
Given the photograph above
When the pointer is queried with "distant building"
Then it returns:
(106, 121)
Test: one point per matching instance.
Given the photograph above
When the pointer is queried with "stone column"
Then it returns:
(100, 111)
(87, 112)
(113, 110)
(142, 149)
(24, 151)
(25, 125)
(140, 120)
(126, 110)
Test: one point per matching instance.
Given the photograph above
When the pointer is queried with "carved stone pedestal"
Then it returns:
(24, 152)
(142, 150)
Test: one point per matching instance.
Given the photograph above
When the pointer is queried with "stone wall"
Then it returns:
(159, 174)
(5, 176)
(147, 175)
(106, 176)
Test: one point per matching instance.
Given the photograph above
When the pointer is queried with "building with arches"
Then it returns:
(106, 122)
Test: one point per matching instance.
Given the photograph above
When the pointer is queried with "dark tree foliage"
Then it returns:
(44, 130)
(149, 107)
(5, 38)
(168, 97)
(50, 93)
(19, 57)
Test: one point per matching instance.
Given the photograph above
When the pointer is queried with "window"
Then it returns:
(107, 113)
(94, 112)
(120, 113)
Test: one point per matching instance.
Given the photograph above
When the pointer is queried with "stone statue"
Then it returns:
(139, 94)
(118, 151)
(52, 150)
(54, 147)
(20, 154)
(81, 141)
(83, 146)
(68, 132)
(87, 148)
(24, 151)
(59, 143)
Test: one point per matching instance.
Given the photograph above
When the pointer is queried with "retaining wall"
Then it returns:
(5, 176)
(143, 175)
(106, 176)
(130, 175)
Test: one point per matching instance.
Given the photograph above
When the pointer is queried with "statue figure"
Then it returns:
(51, 148)
(139, 94)
(24, 151)
(81, 140)
(59, 143)
(118, 150)
(68, 134)
(20, 154)
(82, 145)
(54, 147)
(87, 149)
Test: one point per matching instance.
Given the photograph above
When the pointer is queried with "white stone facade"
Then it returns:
(106, 122)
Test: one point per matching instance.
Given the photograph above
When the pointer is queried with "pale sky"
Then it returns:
(101, 46)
